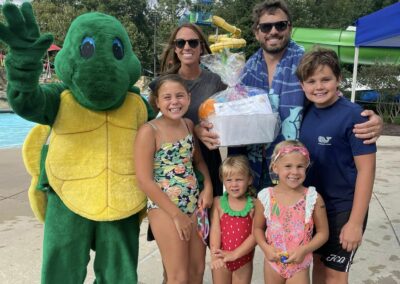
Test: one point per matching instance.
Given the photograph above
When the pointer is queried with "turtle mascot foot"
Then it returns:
(82, 163)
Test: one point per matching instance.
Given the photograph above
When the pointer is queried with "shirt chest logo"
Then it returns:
(325, 141)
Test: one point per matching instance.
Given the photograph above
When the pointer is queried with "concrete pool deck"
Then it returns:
(21, 235)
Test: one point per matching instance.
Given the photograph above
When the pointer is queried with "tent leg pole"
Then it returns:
(354, 82)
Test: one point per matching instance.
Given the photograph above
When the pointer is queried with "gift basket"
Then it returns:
(240, 115)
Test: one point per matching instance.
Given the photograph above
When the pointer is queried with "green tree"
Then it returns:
(237, 13)
(55, 19)
(305, 13)
(332, 14)
(383, 78)
(145, 23)
(56, 16)
(164, 18)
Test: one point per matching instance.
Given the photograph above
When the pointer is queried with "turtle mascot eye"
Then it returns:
(118, 49)
(87, 47)
(81, 156)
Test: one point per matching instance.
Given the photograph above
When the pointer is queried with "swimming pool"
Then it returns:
(13, 130)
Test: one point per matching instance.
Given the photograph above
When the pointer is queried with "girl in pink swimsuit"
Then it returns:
(285, 217)
(231, 240)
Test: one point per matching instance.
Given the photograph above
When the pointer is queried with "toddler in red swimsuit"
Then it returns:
(231, 240)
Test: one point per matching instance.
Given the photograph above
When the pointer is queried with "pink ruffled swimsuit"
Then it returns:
(234, 231)
(288, 227)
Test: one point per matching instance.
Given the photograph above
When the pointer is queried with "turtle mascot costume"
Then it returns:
(82, 162)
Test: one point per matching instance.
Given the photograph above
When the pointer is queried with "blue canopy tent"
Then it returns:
(379, 29)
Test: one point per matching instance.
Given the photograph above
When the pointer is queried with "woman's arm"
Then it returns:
(145, 147)
(320, 237)
(351, 234)
(206, 195)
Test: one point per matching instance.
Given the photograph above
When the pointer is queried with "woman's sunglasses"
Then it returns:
(180, 43)
(279, 26)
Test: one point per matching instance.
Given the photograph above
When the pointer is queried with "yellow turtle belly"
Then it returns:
(90, 162)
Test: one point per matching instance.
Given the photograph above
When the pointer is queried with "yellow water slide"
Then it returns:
(232, 40)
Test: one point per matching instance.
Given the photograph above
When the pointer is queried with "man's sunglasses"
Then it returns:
(180, 43)
(279, 26)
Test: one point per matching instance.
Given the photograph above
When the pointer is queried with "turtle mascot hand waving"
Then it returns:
(89, 198)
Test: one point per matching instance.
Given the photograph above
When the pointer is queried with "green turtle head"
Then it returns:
(97, 62)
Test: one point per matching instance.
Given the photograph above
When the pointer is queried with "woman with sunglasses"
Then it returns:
(182, 56)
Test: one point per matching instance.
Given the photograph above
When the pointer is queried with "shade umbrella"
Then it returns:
(47, 70)
(379, 29)
(54, 47)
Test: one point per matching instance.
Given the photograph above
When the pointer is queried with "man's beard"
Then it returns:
(276, 49)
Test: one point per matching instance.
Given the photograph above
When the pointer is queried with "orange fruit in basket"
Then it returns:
(206, 108)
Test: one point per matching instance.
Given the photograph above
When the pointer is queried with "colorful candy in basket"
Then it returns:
(240, 115)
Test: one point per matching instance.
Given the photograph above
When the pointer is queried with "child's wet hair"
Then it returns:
(286, 147)
(169, 78)
(160, 82)
(236, 164)
(315, 59)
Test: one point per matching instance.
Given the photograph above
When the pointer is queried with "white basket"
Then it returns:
(235, 130)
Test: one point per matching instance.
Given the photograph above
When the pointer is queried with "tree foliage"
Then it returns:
(384, 78)
(150, 27)
(163, 18)
(305, 13)
(55, 17)
(238, 13)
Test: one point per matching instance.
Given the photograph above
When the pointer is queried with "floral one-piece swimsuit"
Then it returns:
(288, 227)
(173, 171)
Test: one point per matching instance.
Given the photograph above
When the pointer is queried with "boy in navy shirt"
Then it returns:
(343, 167)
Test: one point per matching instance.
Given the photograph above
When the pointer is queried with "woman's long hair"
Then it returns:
(169, 61)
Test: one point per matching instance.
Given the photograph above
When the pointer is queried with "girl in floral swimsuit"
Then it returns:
(166, 154)
(231, 240)
(289, 212)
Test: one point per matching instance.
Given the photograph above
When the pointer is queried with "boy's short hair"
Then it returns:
(269, 6)
(316, 58)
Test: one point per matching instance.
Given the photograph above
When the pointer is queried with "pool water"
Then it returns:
(13, 130)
